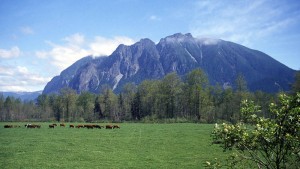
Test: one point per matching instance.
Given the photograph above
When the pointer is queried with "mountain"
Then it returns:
(24, 96)
(221, 60)
(64, 78)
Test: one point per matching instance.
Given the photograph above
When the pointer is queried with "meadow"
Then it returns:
(134, 145)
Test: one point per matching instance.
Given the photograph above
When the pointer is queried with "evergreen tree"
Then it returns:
(2, 112)
(86, 104)
(241, 84)
(44, 106)
(8, 108)
(197, 91)
(97, 108)
(170, 90)
(57, 107)
(149, 95)
(69, 102)
(110, 104)
(136, 107)
(128, 93)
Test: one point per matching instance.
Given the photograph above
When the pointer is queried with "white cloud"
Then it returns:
(10, 53)
(75, 39)
(22, 70)
(41, 54)
(27, 30)
(154, 18)
(6, 71)
(63, 56)
(76, 47)
(19, 78)
(104, 46)
(241, 21)
(11, 88)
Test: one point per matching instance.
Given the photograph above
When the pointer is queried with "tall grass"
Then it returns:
(135, 145)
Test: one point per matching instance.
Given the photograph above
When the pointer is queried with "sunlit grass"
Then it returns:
(133, 146)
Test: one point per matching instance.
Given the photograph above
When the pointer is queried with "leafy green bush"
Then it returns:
(267, 142)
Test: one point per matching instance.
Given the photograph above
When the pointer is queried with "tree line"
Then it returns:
(173, 98)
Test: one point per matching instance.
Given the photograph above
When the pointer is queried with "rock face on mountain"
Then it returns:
(222, 61)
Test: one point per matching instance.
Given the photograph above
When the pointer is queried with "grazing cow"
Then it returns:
(71, 126)
(33, 126)
(79, 126)
(89, 126)
(96, 126)
(62, 125)
(54, 124)
(51, 126)
(109, 127)
(8, 126)
(116, 126)
(29, 125)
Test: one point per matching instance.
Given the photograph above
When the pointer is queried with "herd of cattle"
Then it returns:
(88, 126)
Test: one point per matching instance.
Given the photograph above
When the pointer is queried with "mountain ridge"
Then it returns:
(221, 60)
(24, 96)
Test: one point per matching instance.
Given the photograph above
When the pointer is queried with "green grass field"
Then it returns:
(135, 145)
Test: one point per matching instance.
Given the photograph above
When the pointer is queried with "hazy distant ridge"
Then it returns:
(24, 96)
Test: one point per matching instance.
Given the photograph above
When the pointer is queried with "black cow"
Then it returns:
(97, 126)
(8, 126)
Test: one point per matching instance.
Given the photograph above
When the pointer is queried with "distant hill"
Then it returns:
(24, 96)
(221, 60)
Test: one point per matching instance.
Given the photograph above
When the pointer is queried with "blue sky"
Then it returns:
(40, 38)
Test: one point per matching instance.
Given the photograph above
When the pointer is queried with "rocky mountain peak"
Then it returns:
(222, 61)
(146, 42)
(177, 38)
